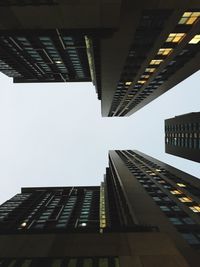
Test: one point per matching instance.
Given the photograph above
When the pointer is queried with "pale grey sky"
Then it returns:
(53, 134)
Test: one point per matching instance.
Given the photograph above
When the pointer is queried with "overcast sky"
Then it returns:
(54, 135)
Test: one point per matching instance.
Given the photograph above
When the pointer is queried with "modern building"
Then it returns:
(162, 195)
(132, 51)
(145, 213)
(182, 136)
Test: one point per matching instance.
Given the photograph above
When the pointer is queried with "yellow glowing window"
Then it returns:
(150, 70)
(175, 37)
(189, 18)
(176, 192)
(145, 76)
(195, 208)
(141, 81)
(128, 83)
(164, 51)
(195, 39)
(181, 185)
(185, 199)
(156, 61)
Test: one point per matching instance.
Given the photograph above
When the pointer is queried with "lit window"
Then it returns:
(189, 18)
(185, 199)
(150, 70)
(195, 39)
(156, 61)
(128, 83)
(145, 76)
(164, 51)
(195, 208)
(181, 185)
(175, 37)
(176, 192)
(141, 81)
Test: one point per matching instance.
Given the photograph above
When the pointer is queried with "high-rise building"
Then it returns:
(133, 52)
(79, 227)
(162, 195)
(155, 48)
(145, 213)
(182, 136)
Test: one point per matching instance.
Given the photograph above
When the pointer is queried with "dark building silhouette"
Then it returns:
(132, 51)
(182, 136)
(145, 213)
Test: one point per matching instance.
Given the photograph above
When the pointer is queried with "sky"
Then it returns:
(53, 134)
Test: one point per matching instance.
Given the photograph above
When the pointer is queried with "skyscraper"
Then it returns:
(182, 136)
(161, 195)
(79, 226)
(144, 213)
(133, 52)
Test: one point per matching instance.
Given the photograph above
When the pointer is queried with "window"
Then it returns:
(189, 18)
(181, 185)
(156, 199)
(195, 208)
(87, 263)
(145, 76)
(103, 262)
(176, 192)
(128, 83)
(185, 199)
(72, 263)
(164, 51)
(175, 221)
(141, 81)
(164, 208)
(190, 238)
(156, 61)
(188, 220)
(175, 37)
(195, 39)
(150, 70)
(175, 208)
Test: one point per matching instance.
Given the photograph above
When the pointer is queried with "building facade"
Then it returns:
(182, 136)
(132, 52)
(79, 227)
(164, 196)
(160, 49)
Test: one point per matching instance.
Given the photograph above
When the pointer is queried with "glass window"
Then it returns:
(185, 199)
(189, 18)
(190, 238)
(195, 39)
(195, 208)
(56, 263)
(175, 37)
(72, 263)
(181, 185)
(103, 262)
(188, 220)
(164, 208)
(164, 51)
(175, 208)
(12, 263)
(175, 221)
(176, 192)
(87, 263)
(156, 61)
